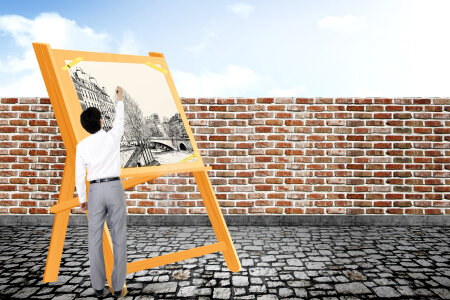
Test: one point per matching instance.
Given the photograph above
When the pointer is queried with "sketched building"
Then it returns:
(154, 125)
(175, 127)
(91, 94)
(175, 131)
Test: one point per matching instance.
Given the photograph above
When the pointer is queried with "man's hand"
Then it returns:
(119, 93)
(83, 206)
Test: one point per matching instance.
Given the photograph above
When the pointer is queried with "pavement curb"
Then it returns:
(244, 220)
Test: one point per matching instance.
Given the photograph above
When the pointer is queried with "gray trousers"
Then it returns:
(106, 200)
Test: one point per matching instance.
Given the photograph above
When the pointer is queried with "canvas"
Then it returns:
(154, 133)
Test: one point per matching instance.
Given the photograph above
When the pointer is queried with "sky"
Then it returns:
(322, 48)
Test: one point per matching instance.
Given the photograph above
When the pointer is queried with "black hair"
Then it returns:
(90, 119)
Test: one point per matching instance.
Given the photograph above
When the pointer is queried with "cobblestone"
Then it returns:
(304, 262)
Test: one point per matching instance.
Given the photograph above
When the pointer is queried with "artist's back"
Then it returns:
(101, 150)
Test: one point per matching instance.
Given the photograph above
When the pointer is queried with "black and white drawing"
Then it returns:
(154, 133)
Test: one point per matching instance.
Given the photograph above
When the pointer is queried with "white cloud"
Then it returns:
(241, 9)
(416, 61)
(129, 44)
(30, 85)
(234, 81)
(208, 34)
(424, 45)
(51, 28)
(291, 92)
(348, 24)
(15, 64)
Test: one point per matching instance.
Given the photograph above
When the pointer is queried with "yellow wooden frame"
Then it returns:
(67, 110)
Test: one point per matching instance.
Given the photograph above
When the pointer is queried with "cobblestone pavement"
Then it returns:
(303, 262)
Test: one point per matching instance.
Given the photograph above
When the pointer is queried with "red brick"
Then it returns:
(146, 203)
(294, 210)
(396, 211)
(136, 210)
(155, 211)
(38, 210)
(245, 115)
(9, 100)
(315, 210)
(263, 129)
(335, 210)
(237, 108)
(414, 211)
(8, 115)
(274, 210)
(245, 203)
(18, 210)
(274, 122)
(7, 129)
(177, 210)
(355, 211)
(265, 100)
(245, 101)
(197, 210)
(218, 108)
(28, 203)
(21, 107)
(256, 210)
(264, 202)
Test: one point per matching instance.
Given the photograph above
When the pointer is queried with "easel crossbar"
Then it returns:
(154, 262)
(127, 183)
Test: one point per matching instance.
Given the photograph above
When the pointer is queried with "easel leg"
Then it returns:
(56, 246)
(60, 225)
(217, 220)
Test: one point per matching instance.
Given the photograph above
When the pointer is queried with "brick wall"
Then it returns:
(270, 156)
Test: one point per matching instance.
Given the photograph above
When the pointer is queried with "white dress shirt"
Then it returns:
(99, 153)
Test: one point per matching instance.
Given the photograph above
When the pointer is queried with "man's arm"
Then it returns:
(80, 173)
(117, 129)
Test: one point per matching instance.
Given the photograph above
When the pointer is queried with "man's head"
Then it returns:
(91, 119)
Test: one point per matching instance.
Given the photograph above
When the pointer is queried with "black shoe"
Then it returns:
(98, 293)
(122, 293)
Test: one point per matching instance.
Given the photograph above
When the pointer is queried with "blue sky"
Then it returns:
(260, 48)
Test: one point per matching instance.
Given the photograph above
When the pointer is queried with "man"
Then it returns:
(99, 153)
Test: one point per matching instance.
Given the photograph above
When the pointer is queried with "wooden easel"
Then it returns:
(67, 110)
